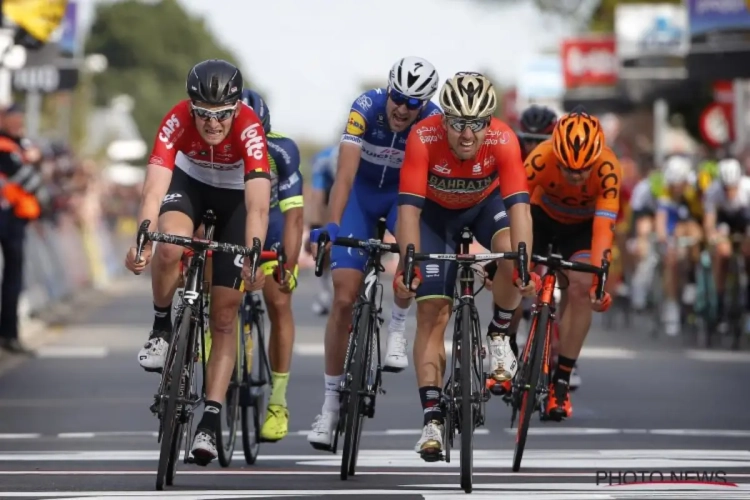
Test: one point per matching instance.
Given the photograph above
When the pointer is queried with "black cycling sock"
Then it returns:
(162, 318)
(500, 323)
(564, 367)
(210, 420)
(430, 397)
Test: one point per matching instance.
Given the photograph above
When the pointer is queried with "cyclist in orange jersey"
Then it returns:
(575, 182)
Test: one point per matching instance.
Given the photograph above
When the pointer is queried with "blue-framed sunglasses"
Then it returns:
(398, 99)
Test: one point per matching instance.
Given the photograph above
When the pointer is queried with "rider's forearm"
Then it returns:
(257, 201)
(317, 207)
(407, 228)
(521, 226)
(155, 188)
(293, 227)
(660, 225)
(339, 196)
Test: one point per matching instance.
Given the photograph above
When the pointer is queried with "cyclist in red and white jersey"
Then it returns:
(218, 147)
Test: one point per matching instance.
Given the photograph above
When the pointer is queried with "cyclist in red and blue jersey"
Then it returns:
(365, 190)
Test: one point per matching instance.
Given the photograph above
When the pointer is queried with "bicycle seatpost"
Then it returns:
(323, 240)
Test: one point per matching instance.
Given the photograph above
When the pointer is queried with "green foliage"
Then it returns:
(150, 48)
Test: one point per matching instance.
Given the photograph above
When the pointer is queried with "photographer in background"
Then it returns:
(22, 198)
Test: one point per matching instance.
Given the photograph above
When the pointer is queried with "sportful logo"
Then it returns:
(168, 129)
(253, 141)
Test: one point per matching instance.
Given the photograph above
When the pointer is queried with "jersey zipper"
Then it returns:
(385, 167)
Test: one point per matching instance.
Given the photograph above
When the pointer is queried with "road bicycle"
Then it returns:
(530, 387)
(465, 392)
(178, 395)
(362, 365)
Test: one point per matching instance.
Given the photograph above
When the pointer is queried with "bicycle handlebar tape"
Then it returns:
(523, 264)
(409, 266)
(602, 279)
(323, 240)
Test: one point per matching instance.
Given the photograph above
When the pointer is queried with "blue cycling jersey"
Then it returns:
(286, 179)
(324, 169)
(382, 150)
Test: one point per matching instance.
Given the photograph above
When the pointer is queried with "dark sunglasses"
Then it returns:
(221, 115)
(580, 172)
(461, 124)
(410, 102)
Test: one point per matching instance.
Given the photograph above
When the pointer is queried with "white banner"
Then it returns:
(651, 30)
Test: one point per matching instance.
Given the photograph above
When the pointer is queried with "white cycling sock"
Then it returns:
(332, 386)
(398, 318)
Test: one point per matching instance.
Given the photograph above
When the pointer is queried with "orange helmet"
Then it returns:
(578, 140)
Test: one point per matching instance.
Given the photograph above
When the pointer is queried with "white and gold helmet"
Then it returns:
(468, 95)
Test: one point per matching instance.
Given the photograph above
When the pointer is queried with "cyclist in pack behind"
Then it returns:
(463, 169)
(370, 157)
(323, 175)
(219, 149)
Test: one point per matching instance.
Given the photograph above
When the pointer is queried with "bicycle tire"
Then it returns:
(707, 300)
(533, 368)
(359, 348)
(734, 308)
(255, 395)
(173, 427)
(230, 411)
(467, 399)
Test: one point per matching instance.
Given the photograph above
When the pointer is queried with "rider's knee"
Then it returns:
(169, 255)
(433, 314)
(279, 304)
(223, 319)
(579, 285)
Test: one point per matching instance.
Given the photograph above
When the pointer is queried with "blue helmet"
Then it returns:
(255, 101)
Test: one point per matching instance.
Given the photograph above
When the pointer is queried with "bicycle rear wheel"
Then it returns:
(467, 398)
(530, 371)
(178, 373)
(359, 347)
(257, 378)
(230, 412)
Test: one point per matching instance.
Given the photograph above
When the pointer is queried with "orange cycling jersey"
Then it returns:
(597, 199)
(431, 171)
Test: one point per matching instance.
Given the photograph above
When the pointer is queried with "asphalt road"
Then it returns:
(74, 423)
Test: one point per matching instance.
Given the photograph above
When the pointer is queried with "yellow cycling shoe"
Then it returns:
(276, 426)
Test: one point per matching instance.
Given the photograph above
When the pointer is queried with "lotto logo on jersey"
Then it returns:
(165, 135)
(253, 141)
(356, 124)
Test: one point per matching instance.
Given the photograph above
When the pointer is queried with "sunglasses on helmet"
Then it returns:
(398, 99)
(460, 124)
(220, 115)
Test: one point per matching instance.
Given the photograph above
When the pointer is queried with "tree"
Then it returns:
(150, 48)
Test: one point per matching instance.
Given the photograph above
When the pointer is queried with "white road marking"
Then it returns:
(718, 356)
(72, 352)
(534, 431)
(389, 459)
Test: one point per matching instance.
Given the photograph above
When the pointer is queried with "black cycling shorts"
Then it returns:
(192, 198)
(737, 221)
(566, 239)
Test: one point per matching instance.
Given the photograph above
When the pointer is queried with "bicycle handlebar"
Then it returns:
(555, 262)
(197, 244)
(343, 241)
(521, 257)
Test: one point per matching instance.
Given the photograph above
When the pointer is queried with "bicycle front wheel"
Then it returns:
(174, 428)
(467, 398)
(359, 348)
(530, 371)
(257, 377)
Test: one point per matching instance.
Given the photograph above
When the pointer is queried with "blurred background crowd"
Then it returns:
(82, 93)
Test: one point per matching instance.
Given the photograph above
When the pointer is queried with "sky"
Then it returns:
(309, 58)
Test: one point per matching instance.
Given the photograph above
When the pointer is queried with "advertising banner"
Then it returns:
(652, 41)
(719, 39)
(589, 62)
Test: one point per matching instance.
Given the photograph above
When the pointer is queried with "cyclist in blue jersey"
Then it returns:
(370, 156)
(323, 175)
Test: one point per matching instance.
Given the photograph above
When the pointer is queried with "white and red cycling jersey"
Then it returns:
(241, 156)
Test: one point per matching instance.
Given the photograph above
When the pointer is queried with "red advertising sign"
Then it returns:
(589, 62)
(715, 125)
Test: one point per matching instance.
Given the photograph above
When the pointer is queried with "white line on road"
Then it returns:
(536, 431)
(718, 356)
(72, 352)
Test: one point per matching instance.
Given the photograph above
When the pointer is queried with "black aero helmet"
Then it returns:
(255, 101)
(538, 120)
(214, 82)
